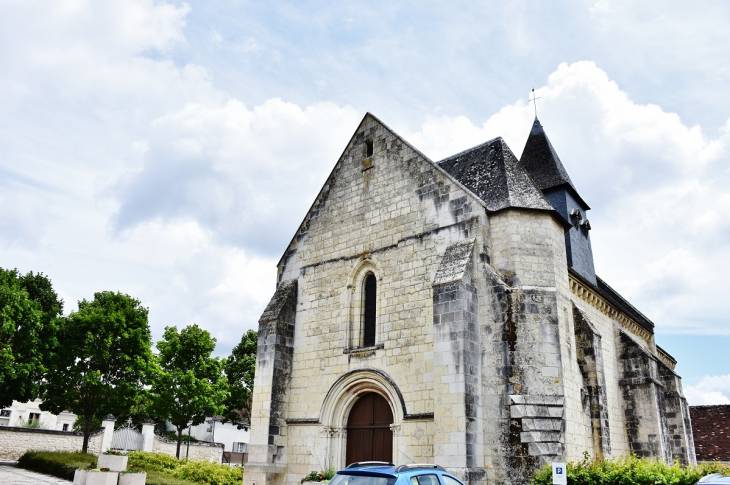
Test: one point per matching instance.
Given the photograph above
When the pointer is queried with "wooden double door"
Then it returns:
(369, 437)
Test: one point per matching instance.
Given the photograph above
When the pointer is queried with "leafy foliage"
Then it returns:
(239, 369)
(320, 476)
(188, 384)
(29, 314)
(172, 436)
(210, 473)
(194, 471)
(103, 359)
(152, 461)
(32, 424)
(630, 471)
(81, 422)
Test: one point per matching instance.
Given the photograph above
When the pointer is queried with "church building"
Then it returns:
(449, 312)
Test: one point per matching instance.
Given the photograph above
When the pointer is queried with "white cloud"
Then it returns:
(126, 167)
(247, 175)
(659, 190)
(710, 390)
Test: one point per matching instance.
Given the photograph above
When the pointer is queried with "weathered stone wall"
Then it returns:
(393, 215)
(198, 451)
(16, 441)
(523, 373)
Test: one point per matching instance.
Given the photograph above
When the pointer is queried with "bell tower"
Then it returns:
(546, 170)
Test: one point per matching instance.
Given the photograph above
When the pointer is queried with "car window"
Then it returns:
(450, 480)
(361, 480)
(425, 480)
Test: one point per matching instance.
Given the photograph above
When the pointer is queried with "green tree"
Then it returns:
(189, 384)
(239, 369)
(29, 315)
(103, 359)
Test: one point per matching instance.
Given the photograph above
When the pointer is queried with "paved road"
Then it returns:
(12, 475)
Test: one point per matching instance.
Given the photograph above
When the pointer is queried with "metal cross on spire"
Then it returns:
(533, 99)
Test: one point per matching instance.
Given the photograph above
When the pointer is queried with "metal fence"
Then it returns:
(127, 438)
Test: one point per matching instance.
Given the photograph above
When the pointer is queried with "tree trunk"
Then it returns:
(87, 431)
(179, 441)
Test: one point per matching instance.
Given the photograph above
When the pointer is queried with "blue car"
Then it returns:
(714, 479)
(382, 473)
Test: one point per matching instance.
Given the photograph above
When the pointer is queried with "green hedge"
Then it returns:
(57, 463)
(161, 469)
(630, 471)
(202, 472)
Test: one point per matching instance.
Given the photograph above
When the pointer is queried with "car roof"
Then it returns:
(383, 469)
(715, 479)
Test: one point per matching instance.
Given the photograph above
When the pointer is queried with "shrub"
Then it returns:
(210, 473)
(630, 471)
(193, 471)
(320, 476)
(160, 468)
(172, 436)
(33, 424)
(152, 461)
(59, 464)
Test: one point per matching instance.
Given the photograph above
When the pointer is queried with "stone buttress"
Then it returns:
(267, 448)
(644, 403)
(589, 353)
(458, 437)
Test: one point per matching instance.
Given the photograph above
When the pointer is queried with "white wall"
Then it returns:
(227, 433)
(20, 412)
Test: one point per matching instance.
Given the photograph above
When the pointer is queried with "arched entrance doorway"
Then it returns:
(369, 437)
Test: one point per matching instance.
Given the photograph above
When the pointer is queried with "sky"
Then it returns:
(169, 150)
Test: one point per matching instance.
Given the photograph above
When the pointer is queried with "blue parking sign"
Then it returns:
(559, 475)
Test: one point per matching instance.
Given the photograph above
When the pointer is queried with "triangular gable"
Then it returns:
(324, 191)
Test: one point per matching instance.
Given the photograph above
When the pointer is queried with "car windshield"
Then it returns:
(361, 480)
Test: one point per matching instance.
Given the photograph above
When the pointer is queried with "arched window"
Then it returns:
(370, 290)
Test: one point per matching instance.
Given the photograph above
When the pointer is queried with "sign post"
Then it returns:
(560, 474)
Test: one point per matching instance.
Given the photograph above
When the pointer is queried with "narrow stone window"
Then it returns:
(369, 311)
(368, 148)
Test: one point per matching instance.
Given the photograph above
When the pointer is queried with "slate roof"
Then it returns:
(541, 161)
(493, 173)
(711, 432)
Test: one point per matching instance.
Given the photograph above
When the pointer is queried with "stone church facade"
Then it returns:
(450, 313)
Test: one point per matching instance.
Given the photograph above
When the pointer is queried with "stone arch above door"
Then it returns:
(343, 395)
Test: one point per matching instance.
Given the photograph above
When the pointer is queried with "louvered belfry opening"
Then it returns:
(369, 313)
(369, 437)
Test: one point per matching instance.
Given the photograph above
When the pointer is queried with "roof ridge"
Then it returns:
(463, 152)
